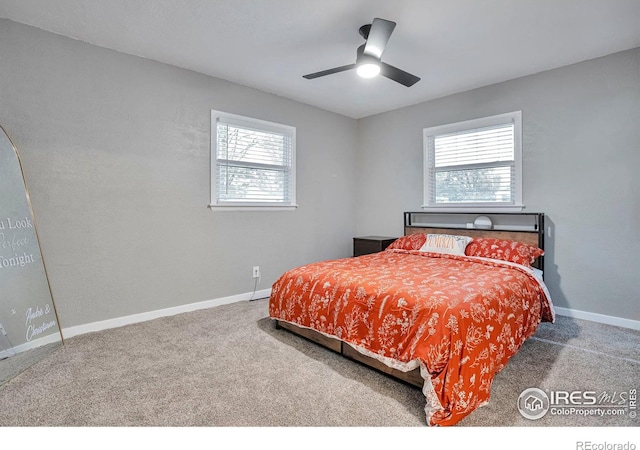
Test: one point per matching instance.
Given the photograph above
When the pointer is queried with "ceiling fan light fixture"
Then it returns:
(368, 70)
(367, 66)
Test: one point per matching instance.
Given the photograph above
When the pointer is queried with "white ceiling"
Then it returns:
(453, 45)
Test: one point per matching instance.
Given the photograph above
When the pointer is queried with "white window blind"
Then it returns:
(254, 163)
(474, 164)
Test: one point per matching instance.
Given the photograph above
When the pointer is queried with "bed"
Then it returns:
(443, 308)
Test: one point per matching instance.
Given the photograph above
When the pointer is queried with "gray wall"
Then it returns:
(116, 154)
(581, 156)
(115, 150)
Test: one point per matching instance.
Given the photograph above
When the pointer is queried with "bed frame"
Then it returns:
(523, 227)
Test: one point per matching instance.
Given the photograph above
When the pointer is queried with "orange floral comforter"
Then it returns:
(458, 318)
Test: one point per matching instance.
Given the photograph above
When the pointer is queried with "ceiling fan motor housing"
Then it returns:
(364, 31)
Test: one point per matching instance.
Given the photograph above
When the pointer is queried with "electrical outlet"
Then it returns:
(256, 271)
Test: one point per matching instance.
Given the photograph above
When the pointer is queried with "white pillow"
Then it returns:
(446, 243)
(538, 273)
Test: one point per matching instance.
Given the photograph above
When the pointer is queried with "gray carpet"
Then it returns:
(228, 366)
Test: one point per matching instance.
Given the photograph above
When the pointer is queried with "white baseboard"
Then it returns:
(143, 317)
(600, 318)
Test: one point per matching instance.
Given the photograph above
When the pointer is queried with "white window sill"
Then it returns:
(252, 207)
(474, 209)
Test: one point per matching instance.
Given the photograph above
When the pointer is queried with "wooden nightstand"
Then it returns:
(370, 244)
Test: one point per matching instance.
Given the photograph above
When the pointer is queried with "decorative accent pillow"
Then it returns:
(446, 243)
(504, 250)
(409, 242)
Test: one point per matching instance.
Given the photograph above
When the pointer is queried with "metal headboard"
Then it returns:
(523, 227)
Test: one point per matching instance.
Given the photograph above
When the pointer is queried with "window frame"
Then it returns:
(516, 205)
(262, 125)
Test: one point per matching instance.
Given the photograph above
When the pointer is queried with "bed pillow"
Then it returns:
(409, 242)
(446, 243)
(504, 250)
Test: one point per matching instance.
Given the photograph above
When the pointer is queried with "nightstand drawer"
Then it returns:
(370, 244)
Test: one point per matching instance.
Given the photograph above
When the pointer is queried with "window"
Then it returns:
(252, 163)
(476, 164)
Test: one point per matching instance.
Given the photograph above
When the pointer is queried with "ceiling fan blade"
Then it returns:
(379, 35)
(395, 74)
(329, 71)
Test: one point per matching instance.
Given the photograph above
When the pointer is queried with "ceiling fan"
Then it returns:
(368, 56)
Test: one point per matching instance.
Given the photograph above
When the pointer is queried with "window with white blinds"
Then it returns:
(253, 163)
(474, 164)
